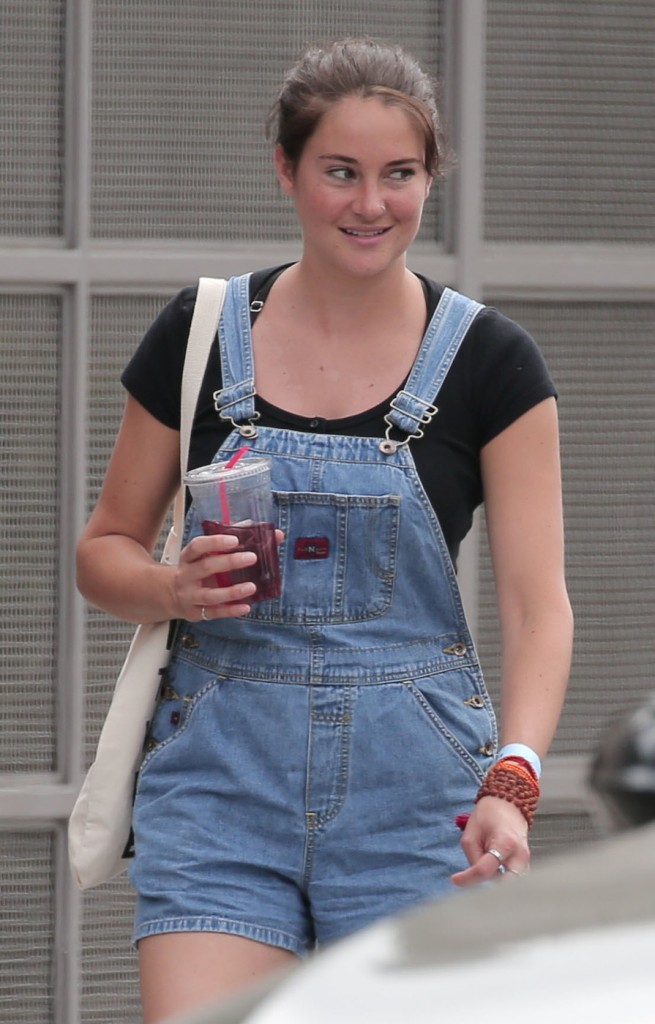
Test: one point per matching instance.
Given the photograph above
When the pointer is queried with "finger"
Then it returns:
(484, 869)
(233, 602)
(200, 547)
(215, 563)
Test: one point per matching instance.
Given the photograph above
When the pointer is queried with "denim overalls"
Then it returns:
(308, 760)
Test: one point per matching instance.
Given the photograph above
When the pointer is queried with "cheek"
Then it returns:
(410, 208)
(320, 204)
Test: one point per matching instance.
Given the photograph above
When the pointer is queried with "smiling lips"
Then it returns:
(365, 232)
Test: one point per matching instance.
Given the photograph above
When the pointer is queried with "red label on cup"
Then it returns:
(311, 547)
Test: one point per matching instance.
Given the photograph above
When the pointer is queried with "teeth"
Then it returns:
(364, 234)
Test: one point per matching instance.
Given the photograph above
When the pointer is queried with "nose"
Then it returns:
(369, 201)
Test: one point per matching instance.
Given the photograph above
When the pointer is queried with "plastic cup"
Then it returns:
(239, 501)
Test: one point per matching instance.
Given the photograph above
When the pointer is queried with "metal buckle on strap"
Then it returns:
(389, 446)
(245, 429)
(429, 411)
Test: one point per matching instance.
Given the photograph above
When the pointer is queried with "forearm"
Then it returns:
(117, 574)
(536, 664)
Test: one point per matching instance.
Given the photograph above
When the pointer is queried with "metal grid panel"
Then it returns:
(603, 361)
(30, 358)
(27, 925)
(560, 833)
(181, 94)
(570, 127)
(117, 324)
(31, 118)
(109, 990)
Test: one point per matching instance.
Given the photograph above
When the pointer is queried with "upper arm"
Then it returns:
(523, 502)
(142, 477)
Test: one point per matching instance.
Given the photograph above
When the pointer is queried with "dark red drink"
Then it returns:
(265, 573)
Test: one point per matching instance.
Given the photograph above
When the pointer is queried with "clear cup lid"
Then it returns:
(246, 467)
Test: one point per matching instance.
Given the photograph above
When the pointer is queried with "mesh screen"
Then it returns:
(559, 833)
(31, 118)
(30, 327)
(109, 990)
(570, 127)
(27, 925)
(117, 324)
(603, 361)
(181, 93)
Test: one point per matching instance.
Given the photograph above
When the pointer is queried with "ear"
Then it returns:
(428, 186)
(284, 170)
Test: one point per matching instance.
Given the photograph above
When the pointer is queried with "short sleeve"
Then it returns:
(509, 373)
(154, 373)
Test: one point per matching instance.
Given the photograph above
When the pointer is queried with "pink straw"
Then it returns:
(225, 506)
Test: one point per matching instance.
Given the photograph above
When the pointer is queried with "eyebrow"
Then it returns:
(350, 160)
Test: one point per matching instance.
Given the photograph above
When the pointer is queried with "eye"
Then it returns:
(402, 173)
(341, 173)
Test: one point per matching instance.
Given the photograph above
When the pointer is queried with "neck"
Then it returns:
(336, 298)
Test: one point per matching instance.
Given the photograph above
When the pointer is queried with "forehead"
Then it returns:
(367, 125)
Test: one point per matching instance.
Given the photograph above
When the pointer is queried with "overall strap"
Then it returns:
(413, 407)
(235, 401)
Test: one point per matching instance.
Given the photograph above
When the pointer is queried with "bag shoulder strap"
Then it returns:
(206, 314)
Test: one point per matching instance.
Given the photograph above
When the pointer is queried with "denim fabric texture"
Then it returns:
(306, 762)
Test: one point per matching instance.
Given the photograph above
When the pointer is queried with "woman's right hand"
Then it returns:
(194, 583)
(195, 579)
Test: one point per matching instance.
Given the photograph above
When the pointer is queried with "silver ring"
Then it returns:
(501, 869)
(203, 614)
(498, 855)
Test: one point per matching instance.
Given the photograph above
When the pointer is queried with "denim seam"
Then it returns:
(222, 925)
(445, 733)
(183, 727)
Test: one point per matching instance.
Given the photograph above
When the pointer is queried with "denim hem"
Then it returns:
(223, 925)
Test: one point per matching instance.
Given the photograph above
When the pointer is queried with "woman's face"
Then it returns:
(359, 186)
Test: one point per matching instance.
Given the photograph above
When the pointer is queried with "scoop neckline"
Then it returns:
(284, 415)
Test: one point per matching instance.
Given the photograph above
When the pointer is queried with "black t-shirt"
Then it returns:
(497, 375)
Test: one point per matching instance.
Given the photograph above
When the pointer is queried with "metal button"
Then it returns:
(457, 648)
(189, 641)
(475, 701)
(487, 749)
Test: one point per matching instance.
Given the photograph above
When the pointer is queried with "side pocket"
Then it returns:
(183, 686)
(460, 711)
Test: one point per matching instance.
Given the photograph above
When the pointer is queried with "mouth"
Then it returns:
(365, 232)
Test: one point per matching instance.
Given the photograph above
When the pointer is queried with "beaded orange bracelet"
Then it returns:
(515, 759)
(522, 772)
(510, 781)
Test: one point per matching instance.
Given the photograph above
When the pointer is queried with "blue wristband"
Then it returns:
(521, 750)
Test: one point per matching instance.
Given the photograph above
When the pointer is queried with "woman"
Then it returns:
(309, 755)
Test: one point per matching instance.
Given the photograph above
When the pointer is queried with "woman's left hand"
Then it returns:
(495, 825)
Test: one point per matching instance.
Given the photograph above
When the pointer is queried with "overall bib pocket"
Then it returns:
(338, 559)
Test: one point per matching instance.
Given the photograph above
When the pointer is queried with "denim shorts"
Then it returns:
(295, 814)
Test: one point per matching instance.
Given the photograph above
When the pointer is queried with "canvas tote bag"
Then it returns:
(99, 827)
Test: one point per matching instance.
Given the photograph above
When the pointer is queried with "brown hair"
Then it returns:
(355, 67)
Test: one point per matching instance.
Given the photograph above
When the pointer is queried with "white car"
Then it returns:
(573, 942)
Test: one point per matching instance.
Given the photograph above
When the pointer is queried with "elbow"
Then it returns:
(81, 568)
(84, 574)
